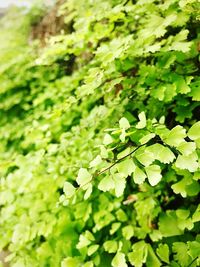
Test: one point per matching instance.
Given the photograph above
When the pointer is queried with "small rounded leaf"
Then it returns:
(69, 189)
(92, 249)
(107, 139)
(110, 246)
(139, 176)
(124, 123)
(142, 121)
(106, 184)
(95, 161)
(194, 132)
(119, 260)
(84, 177)
(153, 174)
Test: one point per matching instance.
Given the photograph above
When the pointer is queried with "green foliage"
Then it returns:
(100, 137)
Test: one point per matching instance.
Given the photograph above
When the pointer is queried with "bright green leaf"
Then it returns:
(139, 254)
(146, 138)
(84, 177)
(69, 189)
(163, 252)
(139, 176)
(126, 167)
(119, 260)
(120, 184)
(128, 231)
(152, 259)
(95, 161)
(110, 246)
(107, 139)
(194, 131)
(124, 123)
(70, 262)
(106, 183)
(176, 136)
(187, 162)
(153, 174)
(92, 249)
(186, 148)
(142, 123)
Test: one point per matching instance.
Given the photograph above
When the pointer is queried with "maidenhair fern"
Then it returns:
(100, 137)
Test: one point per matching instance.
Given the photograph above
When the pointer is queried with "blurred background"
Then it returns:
(4, 4)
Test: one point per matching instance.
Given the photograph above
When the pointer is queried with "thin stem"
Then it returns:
(112, 165)
(193, 261)
(119, 160)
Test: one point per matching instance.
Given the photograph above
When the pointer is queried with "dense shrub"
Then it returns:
(100, 136)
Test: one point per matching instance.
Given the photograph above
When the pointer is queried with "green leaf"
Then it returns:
(124, 123)
(88, 264)
(179, 44)
(196, 215)
(85, 240)
(194, 249)
(182, 86)
(70, 262)
(110, 246)
(144, 156)
(126, 167)
(181, 256)
(193, 188)
(163, 252)
(195, 93)
(180, 187)
(139, 254)
(122, 136)
(146, 138)
(115, 227)
(184, 223)
(189, 162)
(168, 224)
(119, 260)
(152, 259)
(124, 153)
(139, 176)
(92, 249)
(183, 214)
(186, 148)
(161, 153)
(104, 152)
(88, 192)
(69, 189)
(121, 215)
(120, 184)
(107, 139)
(95, 161)
(128, 231)
(165, 155)
(194, 131)
(84, 177)
(153, 174)
(176, 136)
(142, 121)
(106, 184)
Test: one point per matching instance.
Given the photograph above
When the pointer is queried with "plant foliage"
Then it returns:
(100, 136)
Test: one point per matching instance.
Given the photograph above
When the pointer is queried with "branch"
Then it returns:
(193, 261)
(119, 160)
(112, 165)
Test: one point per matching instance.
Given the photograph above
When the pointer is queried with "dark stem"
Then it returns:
(193, 261)
(119, 160)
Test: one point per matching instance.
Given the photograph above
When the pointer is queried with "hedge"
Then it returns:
(100, 136)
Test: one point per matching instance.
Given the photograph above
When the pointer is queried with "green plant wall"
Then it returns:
(100, 137)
